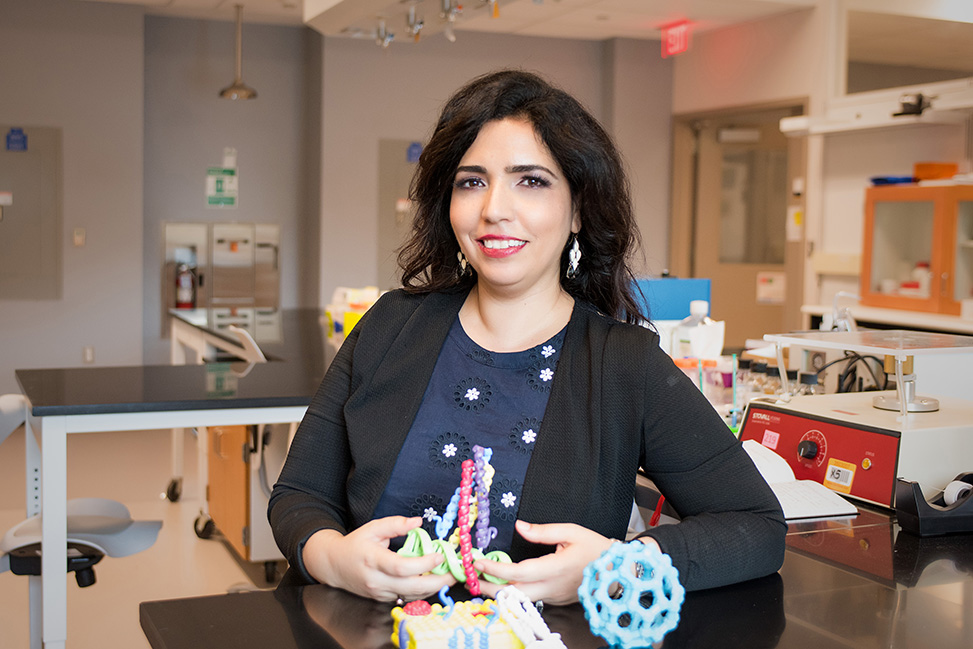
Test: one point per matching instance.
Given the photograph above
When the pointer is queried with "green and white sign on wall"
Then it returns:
(222, 187)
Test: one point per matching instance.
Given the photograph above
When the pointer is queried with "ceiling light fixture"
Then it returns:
(383, 37)
(238, 89)
(450, 12)
(414, 24)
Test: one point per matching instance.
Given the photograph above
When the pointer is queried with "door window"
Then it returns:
(753, 206)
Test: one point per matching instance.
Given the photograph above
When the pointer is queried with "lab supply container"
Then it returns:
(698, 336)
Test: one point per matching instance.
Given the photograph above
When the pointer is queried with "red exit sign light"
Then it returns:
(675, 39)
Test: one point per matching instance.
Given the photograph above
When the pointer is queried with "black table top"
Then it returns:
(858, 583)
(297, 360)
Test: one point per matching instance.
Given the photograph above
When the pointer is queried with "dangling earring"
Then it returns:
(464, 268)
(574, 258)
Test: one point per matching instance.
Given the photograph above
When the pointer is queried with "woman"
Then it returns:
(515, 332)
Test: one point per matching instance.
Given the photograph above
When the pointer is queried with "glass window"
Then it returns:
(891, 51)
(753, 205)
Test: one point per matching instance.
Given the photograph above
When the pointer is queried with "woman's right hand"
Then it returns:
(361, 562)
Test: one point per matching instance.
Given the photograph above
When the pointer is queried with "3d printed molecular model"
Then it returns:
(631, 595)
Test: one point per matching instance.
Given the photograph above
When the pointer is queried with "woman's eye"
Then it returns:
(535, 181)
(466, 183)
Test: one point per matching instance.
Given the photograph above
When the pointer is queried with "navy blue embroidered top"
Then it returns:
(475, 397)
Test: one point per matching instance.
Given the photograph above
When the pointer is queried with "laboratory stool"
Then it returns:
(96, 527)
(13, 413)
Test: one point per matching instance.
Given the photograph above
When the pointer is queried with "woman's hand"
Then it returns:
(361, 562)
(553, 578)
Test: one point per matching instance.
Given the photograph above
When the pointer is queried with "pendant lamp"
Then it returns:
(238, 89)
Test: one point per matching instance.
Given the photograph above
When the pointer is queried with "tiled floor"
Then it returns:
(133, 468)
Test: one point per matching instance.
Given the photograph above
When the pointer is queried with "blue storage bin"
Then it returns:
(669, 297)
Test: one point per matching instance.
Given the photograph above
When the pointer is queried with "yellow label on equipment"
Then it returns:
(839, 476)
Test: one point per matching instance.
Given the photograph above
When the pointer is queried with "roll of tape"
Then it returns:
(956, 490)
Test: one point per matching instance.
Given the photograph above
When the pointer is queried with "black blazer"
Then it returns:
(617, 403)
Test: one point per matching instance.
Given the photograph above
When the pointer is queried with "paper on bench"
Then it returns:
(800, 499)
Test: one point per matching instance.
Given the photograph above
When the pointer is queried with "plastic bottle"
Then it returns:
(681, 338)
(692, 369)
(791, 382)
(809, 384)
(923, 275)
(743, 371)
(772, 380)
(758, 377)
(742, 384)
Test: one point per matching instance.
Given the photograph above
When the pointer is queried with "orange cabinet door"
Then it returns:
(227, 490)
(918, 248)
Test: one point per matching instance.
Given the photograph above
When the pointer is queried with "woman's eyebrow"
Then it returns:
(519, 169)
(515, 169)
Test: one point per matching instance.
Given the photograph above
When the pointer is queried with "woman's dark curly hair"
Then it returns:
(587, 157)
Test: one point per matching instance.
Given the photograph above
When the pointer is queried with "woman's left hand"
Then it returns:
(553, 578)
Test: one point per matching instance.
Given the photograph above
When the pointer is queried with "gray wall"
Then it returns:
(639, 97)
(372, 94)
(109, 77)
(78, 66)
(187, 127)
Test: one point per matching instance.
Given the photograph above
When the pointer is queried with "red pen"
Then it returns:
(657, 513)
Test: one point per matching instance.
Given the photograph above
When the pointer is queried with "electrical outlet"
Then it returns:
(814, 360)
(88, 353)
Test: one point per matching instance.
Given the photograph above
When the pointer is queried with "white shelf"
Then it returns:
(807, 125)
(900, 318)
(890, 342)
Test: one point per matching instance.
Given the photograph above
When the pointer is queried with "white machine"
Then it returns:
(859, 443)
(266, 460)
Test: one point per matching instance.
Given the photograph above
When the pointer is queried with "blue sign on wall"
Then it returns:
(413, 153)
(16, 140)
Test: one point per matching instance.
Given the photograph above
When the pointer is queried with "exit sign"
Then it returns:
(675, 39)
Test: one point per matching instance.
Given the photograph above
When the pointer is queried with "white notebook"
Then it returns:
(800, 499)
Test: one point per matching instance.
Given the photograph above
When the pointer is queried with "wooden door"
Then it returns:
(741, 237)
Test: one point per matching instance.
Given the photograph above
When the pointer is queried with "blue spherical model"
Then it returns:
(631, 595)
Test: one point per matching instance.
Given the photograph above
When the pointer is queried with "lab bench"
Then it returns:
(106, 399)
(857, 582)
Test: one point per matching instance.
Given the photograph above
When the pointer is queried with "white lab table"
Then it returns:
(62, 402)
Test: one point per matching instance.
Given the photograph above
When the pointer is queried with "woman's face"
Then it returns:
(511, 209)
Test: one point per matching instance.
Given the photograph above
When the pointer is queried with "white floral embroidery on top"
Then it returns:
(449, 450)
(508, 499)
(429, 514)
(546, 374)
(548, 351)
(529, 436)
(472, 394)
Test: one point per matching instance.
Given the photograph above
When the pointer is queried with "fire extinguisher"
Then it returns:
(185, 287)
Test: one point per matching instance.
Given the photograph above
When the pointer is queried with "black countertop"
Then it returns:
(304, 617)
(858, 583)
(298, 355)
